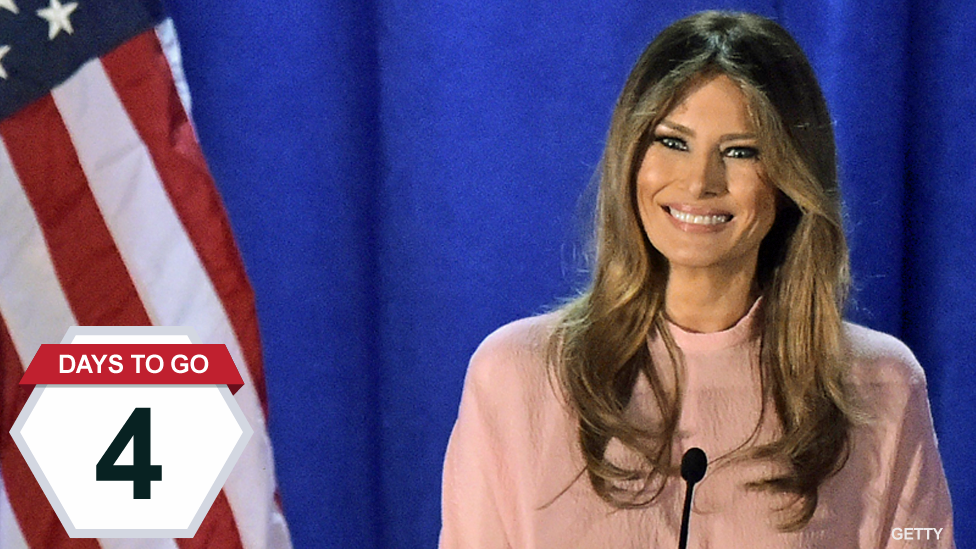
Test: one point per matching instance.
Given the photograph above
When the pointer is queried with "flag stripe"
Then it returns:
(138, 543)
(90, 270)
(64, 226)
(166, 33)
(140, 219)
(218, 528)
(33, 310)
(141, 76)
(219, 523)
(31, 300)
(164, 265)
(92, 275)
(111, 155)
(20, 155)
(10, 535)
(39, 523)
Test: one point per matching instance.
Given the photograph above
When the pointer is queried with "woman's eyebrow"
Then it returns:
(680, 128)
(734, 136)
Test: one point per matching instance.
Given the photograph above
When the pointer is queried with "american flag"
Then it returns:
(109, 216)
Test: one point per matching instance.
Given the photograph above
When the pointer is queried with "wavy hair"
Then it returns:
(599, 347)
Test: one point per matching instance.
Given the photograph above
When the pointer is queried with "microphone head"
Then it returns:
(693, 465)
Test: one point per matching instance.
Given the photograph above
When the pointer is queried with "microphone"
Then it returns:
(693, 466)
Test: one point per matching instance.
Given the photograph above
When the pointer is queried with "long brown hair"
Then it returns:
(599, 347)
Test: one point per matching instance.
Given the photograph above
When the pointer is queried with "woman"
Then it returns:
(714, 319)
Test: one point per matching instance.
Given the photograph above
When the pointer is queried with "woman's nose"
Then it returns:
(707, 176)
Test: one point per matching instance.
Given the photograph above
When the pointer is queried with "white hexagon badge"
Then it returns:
(127, 442)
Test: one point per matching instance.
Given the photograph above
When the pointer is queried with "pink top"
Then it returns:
(514, 450)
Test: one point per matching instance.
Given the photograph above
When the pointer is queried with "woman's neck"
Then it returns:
(709, 300)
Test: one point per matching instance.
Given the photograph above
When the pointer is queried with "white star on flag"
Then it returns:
(3, 51)
(9, 6)
(57, 17)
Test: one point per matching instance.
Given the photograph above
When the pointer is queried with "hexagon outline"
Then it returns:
(246, 432)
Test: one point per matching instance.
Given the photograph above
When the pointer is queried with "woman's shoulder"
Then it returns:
(884, 368)
(894, 465)
(523, 338)
(512, 362)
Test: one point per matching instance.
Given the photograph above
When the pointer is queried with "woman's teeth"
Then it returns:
(699, 219)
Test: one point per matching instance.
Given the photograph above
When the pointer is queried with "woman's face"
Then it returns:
(702, 193)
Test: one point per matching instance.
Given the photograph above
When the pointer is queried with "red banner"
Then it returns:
(133, 364)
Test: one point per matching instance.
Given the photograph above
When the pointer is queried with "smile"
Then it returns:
(693, 219)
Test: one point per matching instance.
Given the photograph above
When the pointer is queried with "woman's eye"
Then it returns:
(741, 152)
(675, 143)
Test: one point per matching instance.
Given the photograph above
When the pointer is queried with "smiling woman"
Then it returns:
(705, 202)
(713, 320)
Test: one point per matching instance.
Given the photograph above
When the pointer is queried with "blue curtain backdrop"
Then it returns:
(405, 176)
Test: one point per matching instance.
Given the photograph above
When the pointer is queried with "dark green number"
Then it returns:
(141, 473)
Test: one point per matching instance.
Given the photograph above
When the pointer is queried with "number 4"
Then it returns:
(141, 473)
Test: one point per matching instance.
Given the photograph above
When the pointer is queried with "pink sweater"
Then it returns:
(514, 450)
